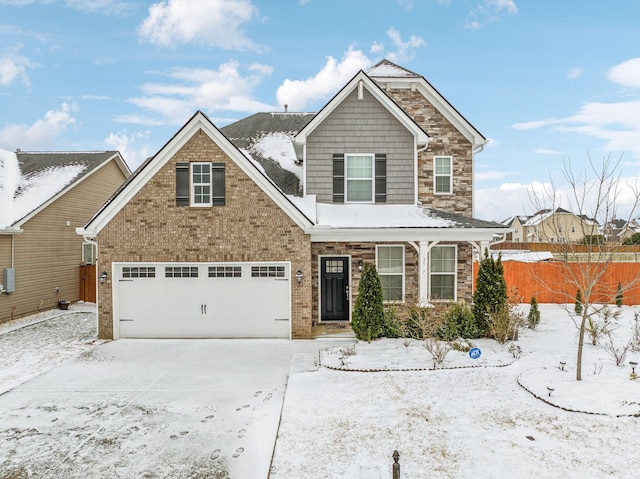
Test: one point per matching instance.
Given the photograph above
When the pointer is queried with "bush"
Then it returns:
(459, 322)
(392, 325)
(578, 305)
(420, 322)
(600, 324)
(490, 295)
(504, 323)
(534, 314)
(619, 296)
(368, 313)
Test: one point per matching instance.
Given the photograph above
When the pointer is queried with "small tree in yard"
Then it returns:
(534, 314)
(619, 295)
(368, 313)
(490, 295)
(593, 201)
(577, 308)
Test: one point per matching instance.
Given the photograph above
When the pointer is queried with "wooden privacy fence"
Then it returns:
(551, 282)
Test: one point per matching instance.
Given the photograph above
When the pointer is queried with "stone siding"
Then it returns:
(446, 140)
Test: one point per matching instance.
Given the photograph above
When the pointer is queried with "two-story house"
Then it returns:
(202, 242)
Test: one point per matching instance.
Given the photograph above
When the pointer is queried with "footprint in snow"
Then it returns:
(207, 418)
(241, 433)
(239, 451)
(215, 455)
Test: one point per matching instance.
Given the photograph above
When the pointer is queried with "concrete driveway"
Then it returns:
(153, 408)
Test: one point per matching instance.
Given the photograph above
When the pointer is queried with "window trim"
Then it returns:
(402, 300)
(193, 184)
(454, 273)
(372, 179)
(92, 258)
(441, 175)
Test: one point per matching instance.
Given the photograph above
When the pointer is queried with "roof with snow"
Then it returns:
(266, 139)
(30, 179)
(387, 69)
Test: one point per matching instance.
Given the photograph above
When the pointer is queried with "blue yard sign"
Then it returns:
(475, 353)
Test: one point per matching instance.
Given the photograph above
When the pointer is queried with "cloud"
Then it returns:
(214, 23)
(405, 51)
(575, 73)
(544, 151)
(103, 7)
(299, 93)
(12, 68)
(128, 147)
(490, 11)
(189, 89)
(626, 73)
(41, 134)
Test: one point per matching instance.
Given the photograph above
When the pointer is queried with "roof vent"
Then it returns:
(286, 107)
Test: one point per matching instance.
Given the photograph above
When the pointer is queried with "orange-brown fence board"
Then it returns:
(554, 282)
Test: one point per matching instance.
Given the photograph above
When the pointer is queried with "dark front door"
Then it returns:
(334, 287)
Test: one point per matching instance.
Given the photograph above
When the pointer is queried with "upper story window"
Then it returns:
(200, 184)
(359, 178)
(443, 175)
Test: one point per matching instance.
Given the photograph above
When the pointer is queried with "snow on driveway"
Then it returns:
(140, 408)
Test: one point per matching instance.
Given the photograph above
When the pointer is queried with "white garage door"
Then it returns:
(202, 300)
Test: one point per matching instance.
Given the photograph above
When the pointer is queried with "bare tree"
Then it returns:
(595, 200)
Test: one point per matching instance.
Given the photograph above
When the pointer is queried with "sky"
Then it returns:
(549, 83)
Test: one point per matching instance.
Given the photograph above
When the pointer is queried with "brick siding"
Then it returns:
(251, 227)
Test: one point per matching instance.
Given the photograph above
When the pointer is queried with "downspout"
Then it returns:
(474, 152)
(415, 173)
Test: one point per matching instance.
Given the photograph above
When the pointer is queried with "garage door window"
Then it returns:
(225, 272)
(267, 271)
(139, 272)
(181, 272)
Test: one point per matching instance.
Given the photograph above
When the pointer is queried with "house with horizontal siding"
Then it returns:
(45, 197)
(262, 228)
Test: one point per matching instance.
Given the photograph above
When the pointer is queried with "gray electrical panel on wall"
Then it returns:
(9, 280)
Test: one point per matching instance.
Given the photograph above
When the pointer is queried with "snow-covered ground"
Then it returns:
(475, 422)
(473, 418)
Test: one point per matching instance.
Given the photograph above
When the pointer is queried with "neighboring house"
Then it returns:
(202, 242)
(557, 226)
(44, 197)
(618, 230)
(516, 224)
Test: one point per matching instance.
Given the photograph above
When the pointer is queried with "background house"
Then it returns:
(262, 229)
(550, 226)
(43, 198)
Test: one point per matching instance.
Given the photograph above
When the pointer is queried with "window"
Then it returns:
(181, 272)
(442, 175)
(88, 256)
(267, 271)
(390, 265)
(362, 176)
(442, 269)
(138, 272)
(225, 271)
(200, 184)
(359, 178)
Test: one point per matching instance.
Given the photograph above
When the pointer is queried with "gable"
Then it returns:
(198, 128)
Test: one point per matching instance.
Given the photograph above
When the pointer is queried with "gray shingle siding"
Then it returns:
(342, 132)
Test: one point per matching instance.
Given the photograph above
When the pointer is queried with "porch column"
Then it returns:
(423, 271)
